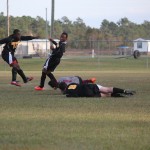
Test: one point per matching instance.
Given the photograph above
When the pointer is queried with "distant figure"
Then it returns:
(8, 52)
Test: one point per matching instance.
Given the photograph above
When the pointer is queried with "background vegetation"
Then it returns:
(123, 30)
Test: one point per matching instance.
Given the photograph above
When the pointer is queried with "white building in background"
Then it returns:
(31, 47)
(141, 45)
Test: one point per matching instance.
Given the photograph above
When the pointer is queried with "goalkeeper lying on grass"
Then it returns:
(74, 86)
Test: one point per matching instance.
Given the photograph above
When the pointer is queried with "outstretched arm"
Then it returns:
(26, 38)
(5, 40)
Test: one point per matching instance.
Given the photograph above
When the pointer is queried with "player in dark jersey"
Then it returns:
(71, 79)
(87, 87)
(8, 55)
(62, 82)
(84, 88)
(75, 79)
(95, 90)
(53, 61)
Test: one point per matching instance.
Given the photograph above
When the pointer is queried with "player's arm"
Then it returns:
(63, 47)
(54, 42)
(26, 38)
(5, 40)
(54, 45)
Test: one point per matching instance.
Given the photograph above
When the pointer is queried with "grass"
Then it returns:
(45, 120)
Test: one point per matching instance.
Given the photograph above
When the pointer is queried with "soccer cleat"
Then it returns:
(15, 83)
(93, 80)
(129, 92)
(38, 88)
(118, 95)
(29, 79)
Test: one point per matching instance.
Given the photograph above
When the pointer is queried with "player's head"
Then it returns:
(62, 86)
(63, 37)
(17, 34)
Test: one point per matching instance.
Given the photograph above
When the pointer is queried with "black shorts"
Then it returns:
(51, 64)
(82, 90)
(9, 58)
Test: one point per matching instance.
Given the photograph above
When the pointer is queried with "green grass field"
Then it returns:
(47, 120)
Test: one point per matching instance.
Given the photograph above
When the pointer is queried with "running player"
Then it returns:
(53, 61)
(8, 52)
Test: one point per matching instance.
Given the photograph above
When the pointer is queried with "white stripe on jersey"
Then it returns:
(10, 58)
(46, 64)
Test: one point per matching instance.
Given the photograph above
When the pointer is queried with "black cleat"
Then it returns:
(129, 92)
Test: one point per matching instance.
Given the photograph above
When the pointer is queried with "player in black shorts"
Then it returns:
(94, 90)
(71, 79)
(73, 87)
(8, 52)
(53, 61)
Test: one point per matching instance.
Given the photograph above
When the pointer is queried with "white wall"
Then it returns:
(145, 45)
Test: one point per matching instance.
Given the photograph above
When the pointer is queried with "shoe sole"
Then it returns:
(15, 84)
(39, 89)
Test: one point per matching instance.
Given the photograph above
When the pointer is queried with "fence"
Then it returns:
(76, 49)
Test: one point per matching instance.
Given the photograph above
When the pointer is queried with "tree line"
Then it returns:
(123, 30)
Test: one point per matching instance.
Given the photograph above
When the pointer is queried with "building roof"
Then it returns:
(140, 39)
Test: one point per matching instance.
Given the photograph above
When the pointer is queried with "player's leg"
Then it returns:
(105, 89)
(115, 92)
(111, 92)
(53, 82)
(42, 81)
(51, 67)
(10, 59)
(43, 76)
(17, 69)
(122, 92)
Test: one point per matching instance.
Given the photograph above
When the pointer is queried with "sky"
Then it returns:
(92, 12)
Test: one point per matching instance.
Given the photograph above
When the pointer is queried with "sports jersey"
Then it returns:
(82, 90)
(59, 50)
(71, 79)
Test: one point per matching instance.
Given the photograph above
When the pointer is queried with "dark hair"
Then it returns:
(65, 33)
(62, 86)
(16, 31)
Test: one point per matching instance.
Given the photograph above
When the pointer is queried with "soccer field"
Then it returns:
(47, 120)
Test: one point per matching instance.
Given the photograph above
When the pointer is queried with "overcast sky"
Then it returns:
(91, 11)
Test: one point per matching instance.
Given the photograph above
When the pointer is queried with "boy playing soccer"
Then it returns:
(53, 61)
(8, 52)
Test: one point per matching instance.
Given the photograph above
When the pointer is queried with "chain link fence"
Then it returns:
(86, 49)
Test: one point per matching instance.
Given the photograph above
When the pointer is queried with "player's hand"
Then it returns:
(50, 39)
